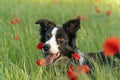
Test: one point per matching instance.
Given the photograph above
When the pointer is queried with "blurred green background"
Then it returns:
(18, 57)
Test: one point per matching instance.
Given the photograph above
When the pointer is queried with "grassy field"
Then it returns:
(18, 57)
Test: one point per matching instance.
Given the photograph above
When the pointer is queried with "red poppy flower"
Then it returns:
(83, 68)
(16, 37)
(17, 20)
(76, 56)
(56, 1)
(71, 75)
(71, 68)
(96, 0)
(79, 17)
(98, 10)
(108, 12)
(12, 22)
(41, 62)
(82, 18)
(111, 46)
(40, 45)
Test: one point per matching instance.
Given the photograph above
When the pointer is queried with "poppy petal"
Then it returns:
(83, 68)
(40, 62)
(98, 10)
(71, 75)
(16, 37)
(17, 20)
(108, 12)
(40, 45)
(12, 22)
(76, 56)
(71, 68)
(111, 46)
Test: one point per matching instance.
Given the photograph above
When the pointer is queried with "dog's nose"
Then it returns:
(46, 47)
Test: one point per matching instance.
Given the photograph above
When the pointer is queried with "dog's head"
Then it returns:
(59, 42)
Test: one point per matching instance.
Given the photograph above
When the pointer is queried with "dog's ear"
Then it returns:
(45, 25)
(71, 27)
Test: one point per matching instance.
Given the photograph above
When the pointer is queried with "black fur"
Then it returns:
(63, 40)
(66, 38)
(45, 25)
(71, 27)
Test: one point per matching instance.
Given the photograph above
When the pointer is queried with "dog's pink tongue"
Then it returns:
(50, 58)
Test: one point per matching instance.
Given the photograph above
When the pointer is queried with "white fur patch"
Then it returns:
(52, 42)
(82, 58)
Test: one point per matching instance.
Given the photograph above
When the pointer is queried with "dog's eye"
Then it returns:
(61, 40)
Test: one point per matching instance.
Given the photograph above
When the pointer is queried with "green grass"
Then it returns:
(17, 58)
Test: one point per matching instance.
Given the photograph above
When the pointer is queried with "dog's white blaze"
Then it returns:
(52, 42)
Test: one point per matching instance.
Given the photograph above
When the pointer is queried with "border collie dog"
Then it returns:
(60, 42)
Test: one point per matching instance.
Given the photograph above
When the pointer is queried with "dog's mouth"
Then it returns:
(51, 58)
